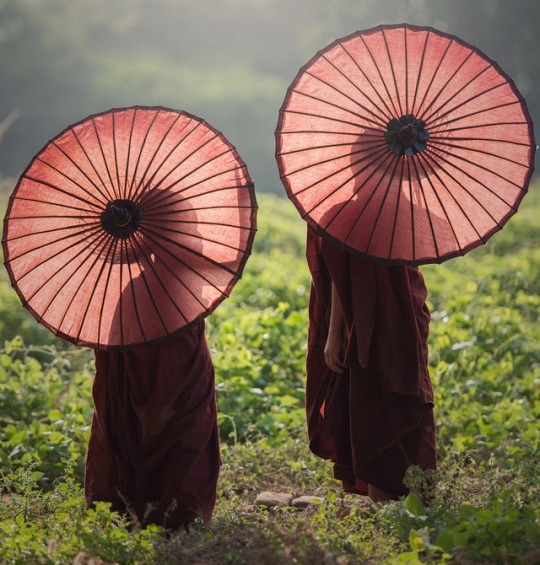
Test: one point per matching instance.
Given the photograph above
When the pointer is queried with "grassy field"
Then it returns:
(484, 362)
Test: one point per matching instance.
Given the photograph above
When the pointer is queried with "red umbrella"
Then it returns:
(129, 226)
(404, 144)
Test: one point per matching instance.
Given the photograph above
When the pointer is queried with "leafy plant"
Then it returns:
(484, 503)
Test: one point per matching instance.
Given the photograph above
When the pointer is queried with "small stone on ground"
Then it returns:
(271, 499)
(306, 500)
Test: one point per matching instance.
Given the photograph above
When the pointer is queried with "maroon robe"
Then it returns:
(375, 418)
(154, 443)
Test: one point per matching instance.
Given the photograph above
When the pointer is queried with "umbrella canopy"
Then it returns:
(129, 226)
(404, 144)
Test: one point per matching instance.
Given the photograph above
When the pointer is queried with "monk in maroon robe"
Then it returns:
(369, 397)
(154, 443)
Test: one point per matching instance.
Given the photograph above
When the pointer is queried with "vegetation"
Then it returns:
(228, 61)
(485, 364)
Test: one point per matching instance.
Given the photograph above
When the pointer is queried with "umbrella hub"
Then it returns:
(121, 218)
(406, 135)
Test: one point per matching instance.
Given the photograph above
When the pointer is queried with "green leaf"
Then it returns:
(416, 541)
(445, 540)
(414, 505)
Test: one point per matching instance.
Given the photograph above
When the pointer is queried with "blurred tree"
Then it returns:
(228, 61)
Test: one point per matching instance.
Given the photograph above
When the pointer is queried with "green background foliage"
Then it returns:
(484, 362)
(227, 61)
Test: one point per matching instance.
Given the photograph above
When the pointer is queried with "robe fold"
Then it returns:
(154, 443)
(374, 419)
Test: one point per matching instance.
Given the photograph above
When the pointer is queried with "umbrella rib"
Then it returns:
(161, 198)
(102, 190)
(130, 195)
(78, 167)
(159, 205)
(93, 121)
(128, 159)
(189, 250)
(436, 126)
(454, 109)
(93, 202)
(442, 144)
(334, 120)
(120, 306)
(106, 194)
(110, 253)
(203, 222)
(142, 182)
(406, 71)
(379, 150)
(189, 267)
(42, 262)
(392, 111)
(189, 173)
(184, 264)
(380, 123)
(154, 211)
(44, 245)
(420, 70)
(379, 211)
(439, 162)
(155, 198)
(424, 163)
(115, 152)
(180, 162)
(165, 198)
(353, 84)
(99, 237)
(456, 201)
(148, 182)
(132, 286)
(330, 145)
(87, 274)
(228, 246)
(121, 192)
(176, 307)
(396, 211)
(367, 166)
(361, 187)
(391, 63)
(356, 174)
(449, 162)
(411, 205)
(415, 164)
(375, 139)
(489, 139)
(421, 110)
(445, 86)
(48, 203)
(318, 132)
(377, 93)
(135, 190)
(125, 246)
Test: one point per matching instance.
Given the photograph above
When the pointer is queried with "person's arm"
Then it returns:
(333, 350)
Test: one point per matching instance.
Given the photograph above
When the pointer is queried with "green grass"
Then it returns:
(484, 361)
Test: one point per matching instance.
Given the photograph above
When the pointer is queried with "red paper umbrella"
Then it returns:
(129, 226)
(404, 144)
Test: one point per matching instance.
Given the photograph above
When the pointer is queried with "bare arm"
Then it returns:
(333, 350)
